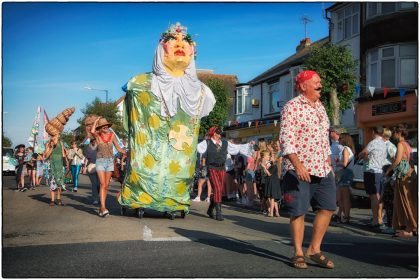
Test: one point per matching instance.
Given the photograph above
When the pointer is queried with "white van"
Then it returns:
(8, 167)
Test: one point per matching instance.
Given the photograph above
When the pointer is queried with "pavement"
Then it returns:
(29, 220)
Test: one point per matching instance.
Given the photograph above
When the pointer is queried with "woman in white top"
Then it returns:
(75, 156)
(345, 161)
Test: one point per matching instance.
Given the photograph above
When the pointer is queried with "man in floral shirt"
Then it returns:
(308, 180)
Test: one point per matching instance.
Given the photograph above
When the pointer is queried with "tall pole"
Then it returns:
(97, 89)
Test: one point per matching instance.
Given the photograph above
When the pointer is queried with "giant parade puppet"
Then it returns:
(162, 112)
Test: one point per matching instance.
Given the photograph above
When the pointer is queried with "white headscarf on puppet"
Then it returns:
(185, 89)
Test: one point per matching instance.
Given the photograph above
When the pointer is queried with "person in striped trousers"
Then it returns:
(215, 151)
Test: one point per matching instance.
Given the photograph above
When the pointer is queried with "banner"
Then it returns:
(385, 92)
(402, 94)
(372, 91)
(120, 143)
(35, 128)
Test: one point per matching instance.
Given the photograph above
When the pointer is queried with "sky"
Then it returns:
(52, 51)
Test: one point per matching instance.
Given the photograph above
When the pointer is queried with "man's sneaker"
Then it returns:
(75, 190)
(388, 230)
(197, 198)
(33, 187)
(208, 200)
(24, 189)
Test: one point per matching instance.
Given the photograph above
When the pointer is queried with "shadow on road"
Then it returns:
(231, 244)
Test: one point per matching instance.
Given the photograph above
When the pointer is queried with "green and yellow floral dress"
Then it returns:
(162, 151)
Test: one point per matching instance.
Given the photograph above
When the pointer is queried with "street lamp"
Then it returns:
(97, 89)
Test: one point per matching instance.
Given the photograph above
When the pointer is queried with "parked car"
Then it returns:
(8, 167)
(358, 187)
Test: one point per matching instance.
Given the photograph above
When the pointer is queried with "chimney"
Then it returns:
(303, 44)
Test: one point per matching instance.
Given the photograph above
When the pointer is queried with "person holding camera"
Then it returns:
(75, 155)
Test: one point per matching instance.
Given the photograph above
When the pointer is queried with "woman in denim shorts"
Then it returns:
(104, 158)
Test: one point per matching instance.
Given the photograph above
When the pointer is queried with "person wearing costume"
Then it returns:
(215, 153)
(163, 110)
(55, 152)
(104, 158)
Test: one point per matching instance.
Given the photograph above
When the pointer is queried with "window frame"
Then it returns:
(273, 88)
(397, 57)
(341, 22)
(379, 10)
(242, 100)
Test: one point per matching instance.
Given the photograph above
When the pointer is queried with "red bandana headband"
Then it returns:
(304, 76)
(212, 130)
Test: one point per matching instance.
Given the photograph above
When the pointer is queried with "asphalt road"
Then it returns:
(72, 241)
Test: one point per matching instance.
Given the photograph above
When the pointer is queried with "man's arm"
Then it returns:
(300, 169)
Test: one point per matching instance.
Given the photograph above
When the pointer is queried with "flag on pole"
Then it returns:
(35, 129)
(249, 124)
(275, 122)
(229, 122)
(46, 120)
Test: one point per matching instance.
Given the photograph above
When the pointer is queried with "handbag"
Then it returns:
(91, 168)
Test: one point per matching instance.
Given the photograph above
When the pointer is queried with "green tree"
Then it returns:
(6, 141)
(107, 110)
(220, 111)
(68, 136)
(336, 67)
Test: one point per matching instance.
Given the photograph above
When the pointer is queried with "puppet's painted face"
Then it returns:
(178, 54)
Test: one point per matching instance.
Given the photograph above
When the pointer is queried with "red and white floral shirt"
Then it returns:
(304, 131)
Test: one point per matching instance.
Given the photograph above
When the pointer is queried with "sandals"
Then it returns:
(321, 260)
(59, 202)
(103, 214)
(403, 234)
(299, 262)
(52, 203)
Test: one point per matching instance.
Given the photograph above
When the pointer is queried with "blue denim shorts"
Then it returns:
(105, 164)
(373, 182)
(250, 176)
(320, 193)
(347, 179)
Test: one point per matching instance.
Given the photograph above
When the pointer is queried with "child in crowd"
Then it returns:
(272, 183)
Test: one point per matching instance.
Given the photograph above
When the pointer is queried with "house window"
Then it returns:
(347, 22)
(294, 71)
(393, 66)
(377, 9)
(274, 97)
(243, 102)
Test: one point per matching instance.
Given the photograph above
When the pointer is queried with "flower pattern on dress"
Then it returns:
(304, 131)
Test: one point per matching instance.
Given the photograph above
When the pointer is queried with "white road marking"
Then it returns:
(148, 236)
